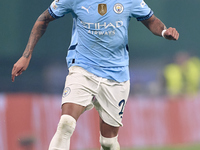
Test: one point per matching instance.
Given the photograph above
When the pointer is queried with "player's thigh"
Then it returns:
(107, 130)
(73, 110)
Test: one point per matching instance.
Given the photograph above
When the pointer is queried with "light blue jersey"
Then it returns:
(99, 41)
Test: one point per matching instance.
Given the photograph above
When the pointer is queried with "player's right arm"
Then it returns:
(38, 30)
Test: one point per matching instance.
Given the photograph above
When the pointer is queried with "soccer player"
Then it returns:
(97, 59)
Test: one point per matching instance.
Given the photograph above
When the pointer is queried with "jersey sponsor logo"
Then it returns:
(118, 8)
(142, 3)
(103, 25)
(100, 33)
(87, 9)
(54, 6)
(66, 91)
(102, 9)
(93, 28)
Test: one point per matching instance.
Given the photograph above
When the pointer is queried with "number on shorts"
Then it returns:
(121, 103)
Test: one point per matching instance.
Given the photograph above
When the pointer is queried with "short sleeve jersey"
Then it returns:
(99, 40)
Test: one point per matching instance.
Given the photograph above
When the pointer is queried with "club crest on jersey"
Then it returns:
(66, 91)
(102, 9)
(118, 8)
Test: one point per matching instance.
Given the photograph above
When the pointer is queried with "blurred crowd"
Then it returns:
(176, 79)
(182, 77)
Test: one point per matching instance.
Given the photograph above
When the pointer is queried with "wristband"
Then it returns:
(163, 33)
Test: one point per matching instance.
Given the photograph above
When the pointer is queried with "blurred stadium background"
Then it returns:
(162, 112)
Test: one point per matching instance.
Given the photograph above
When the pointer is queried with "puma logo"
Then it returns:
(87, 9)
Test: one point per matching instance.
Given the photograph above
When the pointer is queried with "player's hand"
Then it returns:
(171, 34)
(20, 66)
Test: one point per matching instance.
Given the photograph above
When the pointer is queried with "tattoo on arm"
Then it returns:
(38, 30)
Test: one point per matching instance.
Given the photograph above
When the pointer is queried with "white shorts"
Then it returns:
(86, 89)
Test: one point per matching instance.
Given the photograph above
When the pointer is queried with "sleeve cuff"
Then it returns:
(145, 17)
(52, 14)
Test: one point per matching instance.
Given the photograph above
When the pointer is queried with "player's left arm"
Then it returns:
(158, 28)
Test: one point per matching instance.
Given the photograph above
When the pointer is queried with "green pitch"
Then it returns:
(181, 147)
